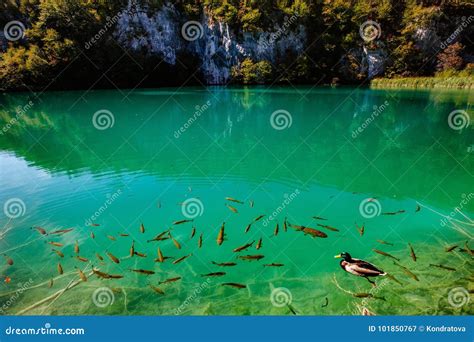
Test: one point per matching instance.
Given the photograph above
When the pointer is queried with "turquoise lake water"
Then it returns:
(117, 159)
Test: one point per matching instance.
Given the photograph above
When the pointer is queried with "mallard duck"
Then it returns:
(359, 267)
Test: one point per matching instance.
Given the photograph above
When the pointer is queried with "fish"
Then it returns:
(360, 229)
(8, 259)
(251, 204)
(326, 303)
(248, 228)
(182, 221)
(141, 255)
(224, 264)
(193, 231)
(258, 218)
(106, 275)
(367, 295)
(60, 269)
(62, 231)
(469, 250)
(51, 283)
(251, 257)
(443, 267)
(200, 241)
(327, 227)
(92, 235)
(142, 228)
(407, 271)
(214, 274)
(132, 249)
(285, 225)
(384, 242)
(418, 208)
(182, 258)
(94, 225)
(7, 280)
(40, 230)
(236, 285)
(82, 275)
(124, 234)
(220, 236)
(99, 257)
(231, 208)
(393, 212)
(57, 244)
(273, 264)
(142, 271)
(412, 252)
(277, 228)
(160, 257)
(309, 231)
(82, 258)
(169, 280)
(234, 200)
(450, 248)
(76, 247)
(157, 290)
(320, 218)
(175, 242)
(110, 237)
(113, 258)
(393, 278)
(259, 244)
(385, 254)
(59, 253)
(241, 248)
(158, 204)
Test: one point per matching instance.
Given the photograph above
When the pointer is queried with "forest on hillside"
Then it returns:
(70, 43)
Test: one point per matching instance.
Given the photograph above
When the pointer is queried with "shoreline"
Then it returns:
(460, 83)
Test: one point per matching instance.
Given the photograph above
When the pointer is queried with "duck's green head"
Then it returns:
(344, 255)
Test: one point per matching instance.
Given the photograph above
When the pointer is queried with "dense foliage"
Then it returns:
(417, 38)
